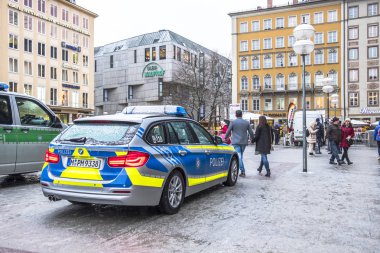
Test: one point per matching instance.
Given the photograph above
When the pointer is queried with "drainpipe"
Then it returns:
(344, 59)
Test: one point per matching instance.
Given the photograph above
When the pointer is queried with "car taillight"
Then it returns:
(51, 157)
(132, 159)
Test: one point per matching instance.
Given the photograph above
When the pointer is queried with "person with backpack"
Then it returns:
(376, 136)
(347, 137)
(311, 134)
(334, 135)
(320, 136)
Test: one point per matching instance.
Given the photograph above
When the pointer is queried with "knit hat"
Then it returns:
(335, 119)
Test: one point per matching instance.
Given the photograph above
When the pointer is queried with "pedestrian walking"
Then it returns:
(320, 136)
(239, 129)
(276, 130)
(334, 135)
(376, 136)
(263, 139)
(312, 138)
(347, 135)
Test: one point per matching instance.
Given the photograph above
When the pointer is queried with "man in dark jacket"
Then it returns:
(240, 129)
(320, 134)
(334, 135)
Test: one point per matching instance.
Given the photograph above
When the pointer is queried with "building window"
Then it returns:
(280, 61)
(256, 104)
(28, 89)
(318, 78)
(332, 16)
(162, 52)
(255, 82)
(13, 41)
(147, 54)
(267, 24)
(332, 37)
(13, 65)
(85, 60)
(41, 27)
(268, 61)
(373, 30)
(65, 35)
(65, 55)
(353, 12)
(75, 77)
(53, 96)
(130, 92)
(353, 75)
(308, 80)
(318, 18)
(111, 61)
(28, 3)
(28, 22)
(354, 99)
(65, 15)
(41, 49)
(85, 79)
(65, 75)
(75, 98)
(255, 62)
(28, 44)
(280, 82)
(154, 53)
(243, 27)
(243, 46)
(293, 82)
(65, 98)
(244, 83)
(280, 103)
(280, 42)
(334, 76)
(41, 94)
(244, 105)
(53, 52)
(293, 101)
(12, 86)
(53, 73)
(267, 82)
(291, 41)
(268, 104)
(307, 59)
(28, 68)
(333, 56)
(305, 19)
(353, 54)
(319, 102)
(373, 74)
(373, 52)
(279, 22)
(373, 9)
(179, 54)
(255, 26)
(186, 56)
(292, 21)
(353, 33)
(268, 43)
(76, 19)
(41, 6)
(13, 17)
(85, 100)
(293, 60)
(53, 10)
(85, 23)
(255, 44)
(41, 70)
(75, 58)
(243, 63)
(53, 31)
(373, 98)
(85, 42)
(318, 38)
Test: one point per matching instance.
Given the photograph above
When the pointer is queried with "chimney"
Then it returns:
(295, 1)
(269, 3)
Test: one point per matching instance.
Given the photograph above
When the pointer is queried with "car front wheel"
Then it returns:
(173, 193)
(232, 173)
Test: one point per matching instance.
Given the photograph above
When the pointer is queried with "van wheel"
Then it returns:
(232, 173)
(173, 193)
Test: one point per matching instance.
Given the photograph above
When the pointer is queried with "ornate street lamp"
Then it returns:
(303, 46)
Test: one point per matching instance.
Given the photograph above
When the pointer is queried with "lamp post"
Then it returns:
(327, 88)
(303, 46)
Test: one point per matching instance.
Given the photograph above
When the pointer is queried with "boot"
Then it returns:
(259, 170)
(340, 162)
(349, 162)
(268, 173)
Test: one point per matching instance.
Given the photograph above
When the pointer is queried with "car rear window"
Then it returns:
(100, 134)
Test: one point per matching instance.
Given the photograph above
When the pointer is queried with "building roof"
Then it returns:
(162, 36)
(73, 4)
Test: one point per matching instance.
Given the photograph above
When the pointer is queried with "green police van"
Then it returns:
(26, 128)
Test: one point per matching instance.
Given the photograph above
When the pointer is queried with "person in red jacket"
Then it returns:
(347, 134)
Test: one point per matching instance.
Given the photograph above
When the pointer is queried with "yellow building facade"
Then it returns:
(267, 74)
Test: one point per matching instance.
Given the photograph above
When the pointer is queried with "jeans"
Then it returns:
(378, 147)
(264, 162)
(334, 151)
(240, 150)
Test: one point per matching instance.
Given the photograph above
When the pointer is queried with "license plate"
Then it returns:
(83, 163)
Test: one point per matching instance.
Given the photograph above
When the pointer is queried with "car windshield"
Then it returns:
(100, 134)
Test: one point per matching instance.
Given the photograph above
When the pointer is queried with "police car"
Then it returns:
(27, 126)
(144, 156)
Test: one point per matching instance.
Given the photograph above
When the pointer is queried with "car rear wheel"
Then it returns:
(232, 173)
(173, 193)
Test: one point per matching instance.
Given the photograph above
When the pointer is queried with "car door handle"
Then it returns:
(182, 152)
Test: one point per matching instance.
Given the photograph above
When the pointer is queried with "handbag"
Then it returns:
(350, 142)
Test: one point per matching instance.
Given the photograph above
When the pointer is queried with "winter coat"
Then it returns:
(321, 131)
(263, 139)
(376, 133)
(224, 129)
(313, 135)
(240, 129)
(346, 131)
(333, 133)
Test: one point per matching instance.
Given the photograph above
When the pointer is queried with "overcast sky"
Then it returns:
(205, 22)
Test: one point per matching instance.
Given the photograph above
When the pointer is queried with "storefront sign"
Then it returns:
(291, 110)
(38, 15)
(152, 70)
(68, 66)
(70, 86)
(64, 45)
(275, 115)
(367, 110)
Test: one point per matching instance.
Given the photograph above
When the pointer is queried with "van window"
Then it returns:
(5, 111)
(33, 114)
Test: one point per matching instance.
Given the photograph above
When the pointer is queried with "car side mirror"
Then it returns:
(218, 140)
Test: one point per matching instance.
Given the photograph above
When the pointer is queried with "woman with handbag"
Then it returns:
(347, 139)
(263, 139)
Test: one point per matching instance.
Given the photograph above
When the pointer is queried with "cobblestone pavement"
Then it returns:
(330, 209)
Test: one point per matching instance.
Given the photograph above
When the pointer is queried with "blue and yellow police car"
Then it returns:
(144, 156)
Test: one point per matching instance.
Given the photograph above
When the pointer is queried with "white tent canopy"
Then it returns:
(355, 122)
(253, 116)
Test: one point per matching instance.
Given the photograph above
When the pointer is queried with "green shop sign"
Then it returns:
(152, 70)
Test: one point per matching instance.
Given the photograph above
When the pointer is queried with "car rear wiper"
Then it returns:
(79, 139)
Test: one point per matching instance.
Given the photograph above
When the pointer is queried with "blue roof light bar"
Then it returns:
(4, 86)
(172, 110)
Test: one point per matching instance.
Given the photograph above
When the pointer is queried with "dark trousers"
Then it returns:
(276, 139)
(334, 151)
(378, 147)
(318, 145)
(345, 155)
